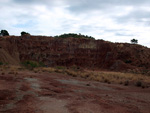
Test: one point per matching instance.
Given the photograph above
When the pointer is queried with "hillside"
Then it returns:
(79, 76)
(80, 52)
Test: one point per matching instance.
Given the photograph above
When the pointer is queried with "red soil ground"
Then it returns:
(30, 92)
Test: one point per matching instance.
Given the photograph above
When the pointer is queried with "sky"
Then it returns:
(111, 20)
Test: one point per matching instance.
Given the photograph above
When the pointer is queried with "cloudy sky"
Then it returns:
(112, 20)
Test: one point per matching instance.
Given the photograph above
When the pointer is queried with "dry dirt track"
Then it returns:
(30, 92)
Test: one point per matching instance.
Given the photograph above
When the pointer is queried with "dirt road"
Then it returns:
(29, 92)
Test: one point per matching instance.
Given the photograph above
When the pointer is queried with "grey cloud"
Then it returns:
(93, 17)
(87, 28)
(123, 34)
(140, 16)
(81, 6)
(115, 30)
(25, 1)
(25, 16)
(48, 3)
(31, 1)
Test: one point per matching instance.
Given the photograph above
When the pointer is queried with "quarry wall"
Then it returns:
(86, 53)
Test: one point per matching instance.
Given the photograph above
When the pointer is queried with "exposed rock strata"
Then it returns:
(89, 53)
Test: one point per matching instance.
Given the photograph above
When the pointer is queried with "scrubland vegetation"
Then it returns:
(125, 79)
(73, 35)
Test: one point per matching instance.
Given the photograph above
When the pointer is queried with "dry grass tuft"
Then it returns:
(9, 69)
(126, 79)
(111, 77)
(11, 72)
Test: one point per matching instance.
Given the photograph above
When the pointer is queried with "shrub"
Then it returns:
(24, 33)
(60, 67)
(128, 61)
(1, 63)
(74, 36)
(106, 80)
(88, 85)
(138, 83)
(134, 41)
(126, 83)
(32, 64)
(41, 64)
(109, 82)
(4, 33)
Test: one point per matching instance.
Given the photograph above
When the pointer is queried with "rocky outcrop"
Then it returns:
(87, 53)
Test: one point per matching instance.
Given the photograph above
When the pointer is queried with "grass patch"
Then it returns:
(112, 77)
(125, 79)
(60, 67)
(46, 69)
(32, 64)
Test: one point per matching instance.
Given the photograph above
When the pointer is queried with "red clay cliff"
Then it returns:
(86, 53)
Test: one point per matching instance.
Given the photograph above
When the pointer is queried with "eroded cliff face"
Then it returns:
(88, 53)
(9, 51)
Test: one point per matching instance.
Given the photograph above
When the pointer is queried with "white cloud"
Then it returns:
(116, 21)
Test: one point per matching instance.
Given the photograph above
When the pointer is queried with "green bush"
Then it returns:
(41, 64)
(32, 64)
(24, 33)
(4, 33)
(134, 41)
(60, 67)
(74, 36)
(1, 63)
